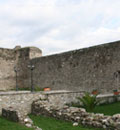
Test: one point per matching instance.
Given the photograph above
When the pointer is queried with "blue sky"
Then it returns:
(58, 25)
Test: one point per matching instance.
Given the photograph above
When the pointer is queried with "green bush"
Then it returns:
(88, 101)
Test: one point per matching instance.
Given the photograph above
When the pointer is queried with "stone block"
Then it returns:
(10, 114)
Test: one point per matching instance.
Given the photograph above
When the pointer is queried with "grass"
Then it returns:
(48, 123)
(36, 89)
(8, 125)
(108, 109)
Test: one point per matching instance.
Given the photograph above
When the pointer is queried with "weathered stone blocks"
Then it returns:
(76, 115)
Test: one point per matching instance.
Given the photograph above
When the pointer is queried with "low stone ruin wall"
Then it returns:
(76, 115)
(108, 98)
(62, 97)
(22, 100)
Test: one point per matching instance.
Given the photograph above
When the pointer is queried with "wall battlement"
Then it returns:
(86, 69)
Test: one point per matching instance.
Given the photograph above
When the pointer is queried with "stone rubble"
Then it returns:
(75, 124)
(76, 115)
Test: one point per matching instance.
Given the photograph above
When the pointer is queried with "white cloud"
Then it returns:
(56, 26)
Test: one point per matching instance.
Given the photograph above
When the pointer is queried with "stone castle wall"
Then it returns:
(19, 57)
(24, 60)
(84, 70)
(7, 61)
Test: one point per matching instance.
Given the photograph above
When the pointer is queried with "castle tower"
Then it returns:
(34, 52)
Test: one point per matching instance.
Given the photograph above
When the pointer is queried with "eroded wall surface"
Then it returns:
(84, 70)
(7, 75)
(19, 58)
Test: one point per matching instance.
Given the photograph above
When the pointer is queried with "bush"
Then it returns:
(89, 101)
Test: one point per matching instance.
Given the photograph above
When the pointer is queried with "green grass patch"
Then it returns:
(108, 109)
(48, 123)
(8, 125)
